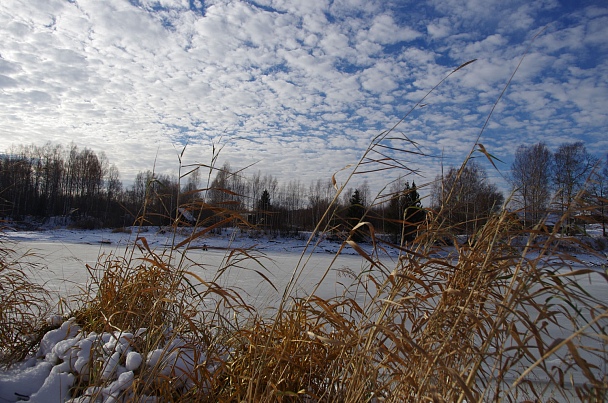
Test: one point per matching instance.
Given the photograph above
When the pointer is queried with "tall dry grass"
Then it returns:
(501, 316)
(24, 304)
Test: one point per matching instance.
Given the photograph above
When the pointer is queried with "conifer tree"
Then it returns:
(264, 202)
(263, 217)
(356, 211)
(405, 212)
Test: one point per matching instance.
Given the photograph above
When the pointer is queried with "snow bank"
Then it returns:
(66, 355)
(162, 238)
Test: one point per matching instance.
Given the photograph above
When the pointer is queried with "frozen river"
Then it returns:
(63, 267)
(63, 271)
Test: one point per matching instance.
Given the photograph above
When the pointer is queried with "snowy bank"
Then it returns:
(68, 356)
(160, 238)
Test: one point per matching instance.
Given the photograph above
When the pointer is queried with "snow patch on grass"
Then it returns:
(67, 355)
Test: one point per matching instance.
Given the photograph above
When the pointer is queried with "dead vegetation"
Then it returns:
(489, 319)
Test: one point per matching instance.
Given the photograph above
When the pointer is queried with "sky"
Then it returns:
(300, 89)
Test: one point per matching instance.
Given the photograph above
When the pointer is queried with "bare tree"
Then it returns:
(54, 176)
(16, 184)
(366, 193)
(531, 176)
(47, 171)
(320, 195)
(598, 193)
(70, 178)
(191, 190)
(91, 179)
(465, 197)
(573, 165)
(292, 200)
(113, 183)
(220, 192)
(255, 189)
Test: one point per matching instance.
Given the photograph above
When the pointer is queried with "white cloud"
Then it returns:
(385, 31)
(292, 82)
(439, 28)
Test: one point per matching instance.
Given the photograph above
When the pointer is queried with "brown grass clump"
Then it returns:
(24, 306)
(483, 320)
(478, 324)
(300, 354)
(502, 316)
(171, 319)
(129, 293)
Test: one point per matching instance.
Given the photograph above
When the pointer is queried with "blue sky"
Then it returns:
(301, 87)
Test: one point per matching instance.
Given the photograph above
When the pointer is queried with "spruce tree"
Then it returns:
(264, 202)
(405, 213)
(356, 211)
(413, 213)
(263, 216)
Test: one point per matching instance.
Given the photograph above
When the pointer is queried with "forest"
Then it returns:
(58, 181)
(85, 188)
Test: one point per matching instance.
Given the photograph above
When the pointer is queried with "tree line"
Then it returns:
(53, 180)
(82, 185)
(569, 182)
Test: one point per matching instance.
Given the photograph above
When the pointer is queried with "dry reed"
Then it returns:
(23, 305)
(499, 317)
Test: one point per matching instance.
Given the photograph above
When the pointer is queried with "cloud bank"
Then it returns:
(299, 88)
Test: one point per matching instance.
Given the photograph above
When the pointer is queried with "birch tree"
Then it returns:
(531, 177)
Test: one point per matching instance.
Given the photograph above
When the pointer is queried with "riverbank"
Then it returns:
(162, 238)
(591, 248)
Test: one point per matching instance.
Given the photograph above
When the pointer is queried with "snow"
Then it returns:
(56, 386)
(133, 360)
(67, 352)
(161, 237)
(23, 380)
(48, 377)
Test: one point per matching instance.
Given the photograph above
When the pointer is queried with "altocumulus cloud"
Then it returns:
(299, 87)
